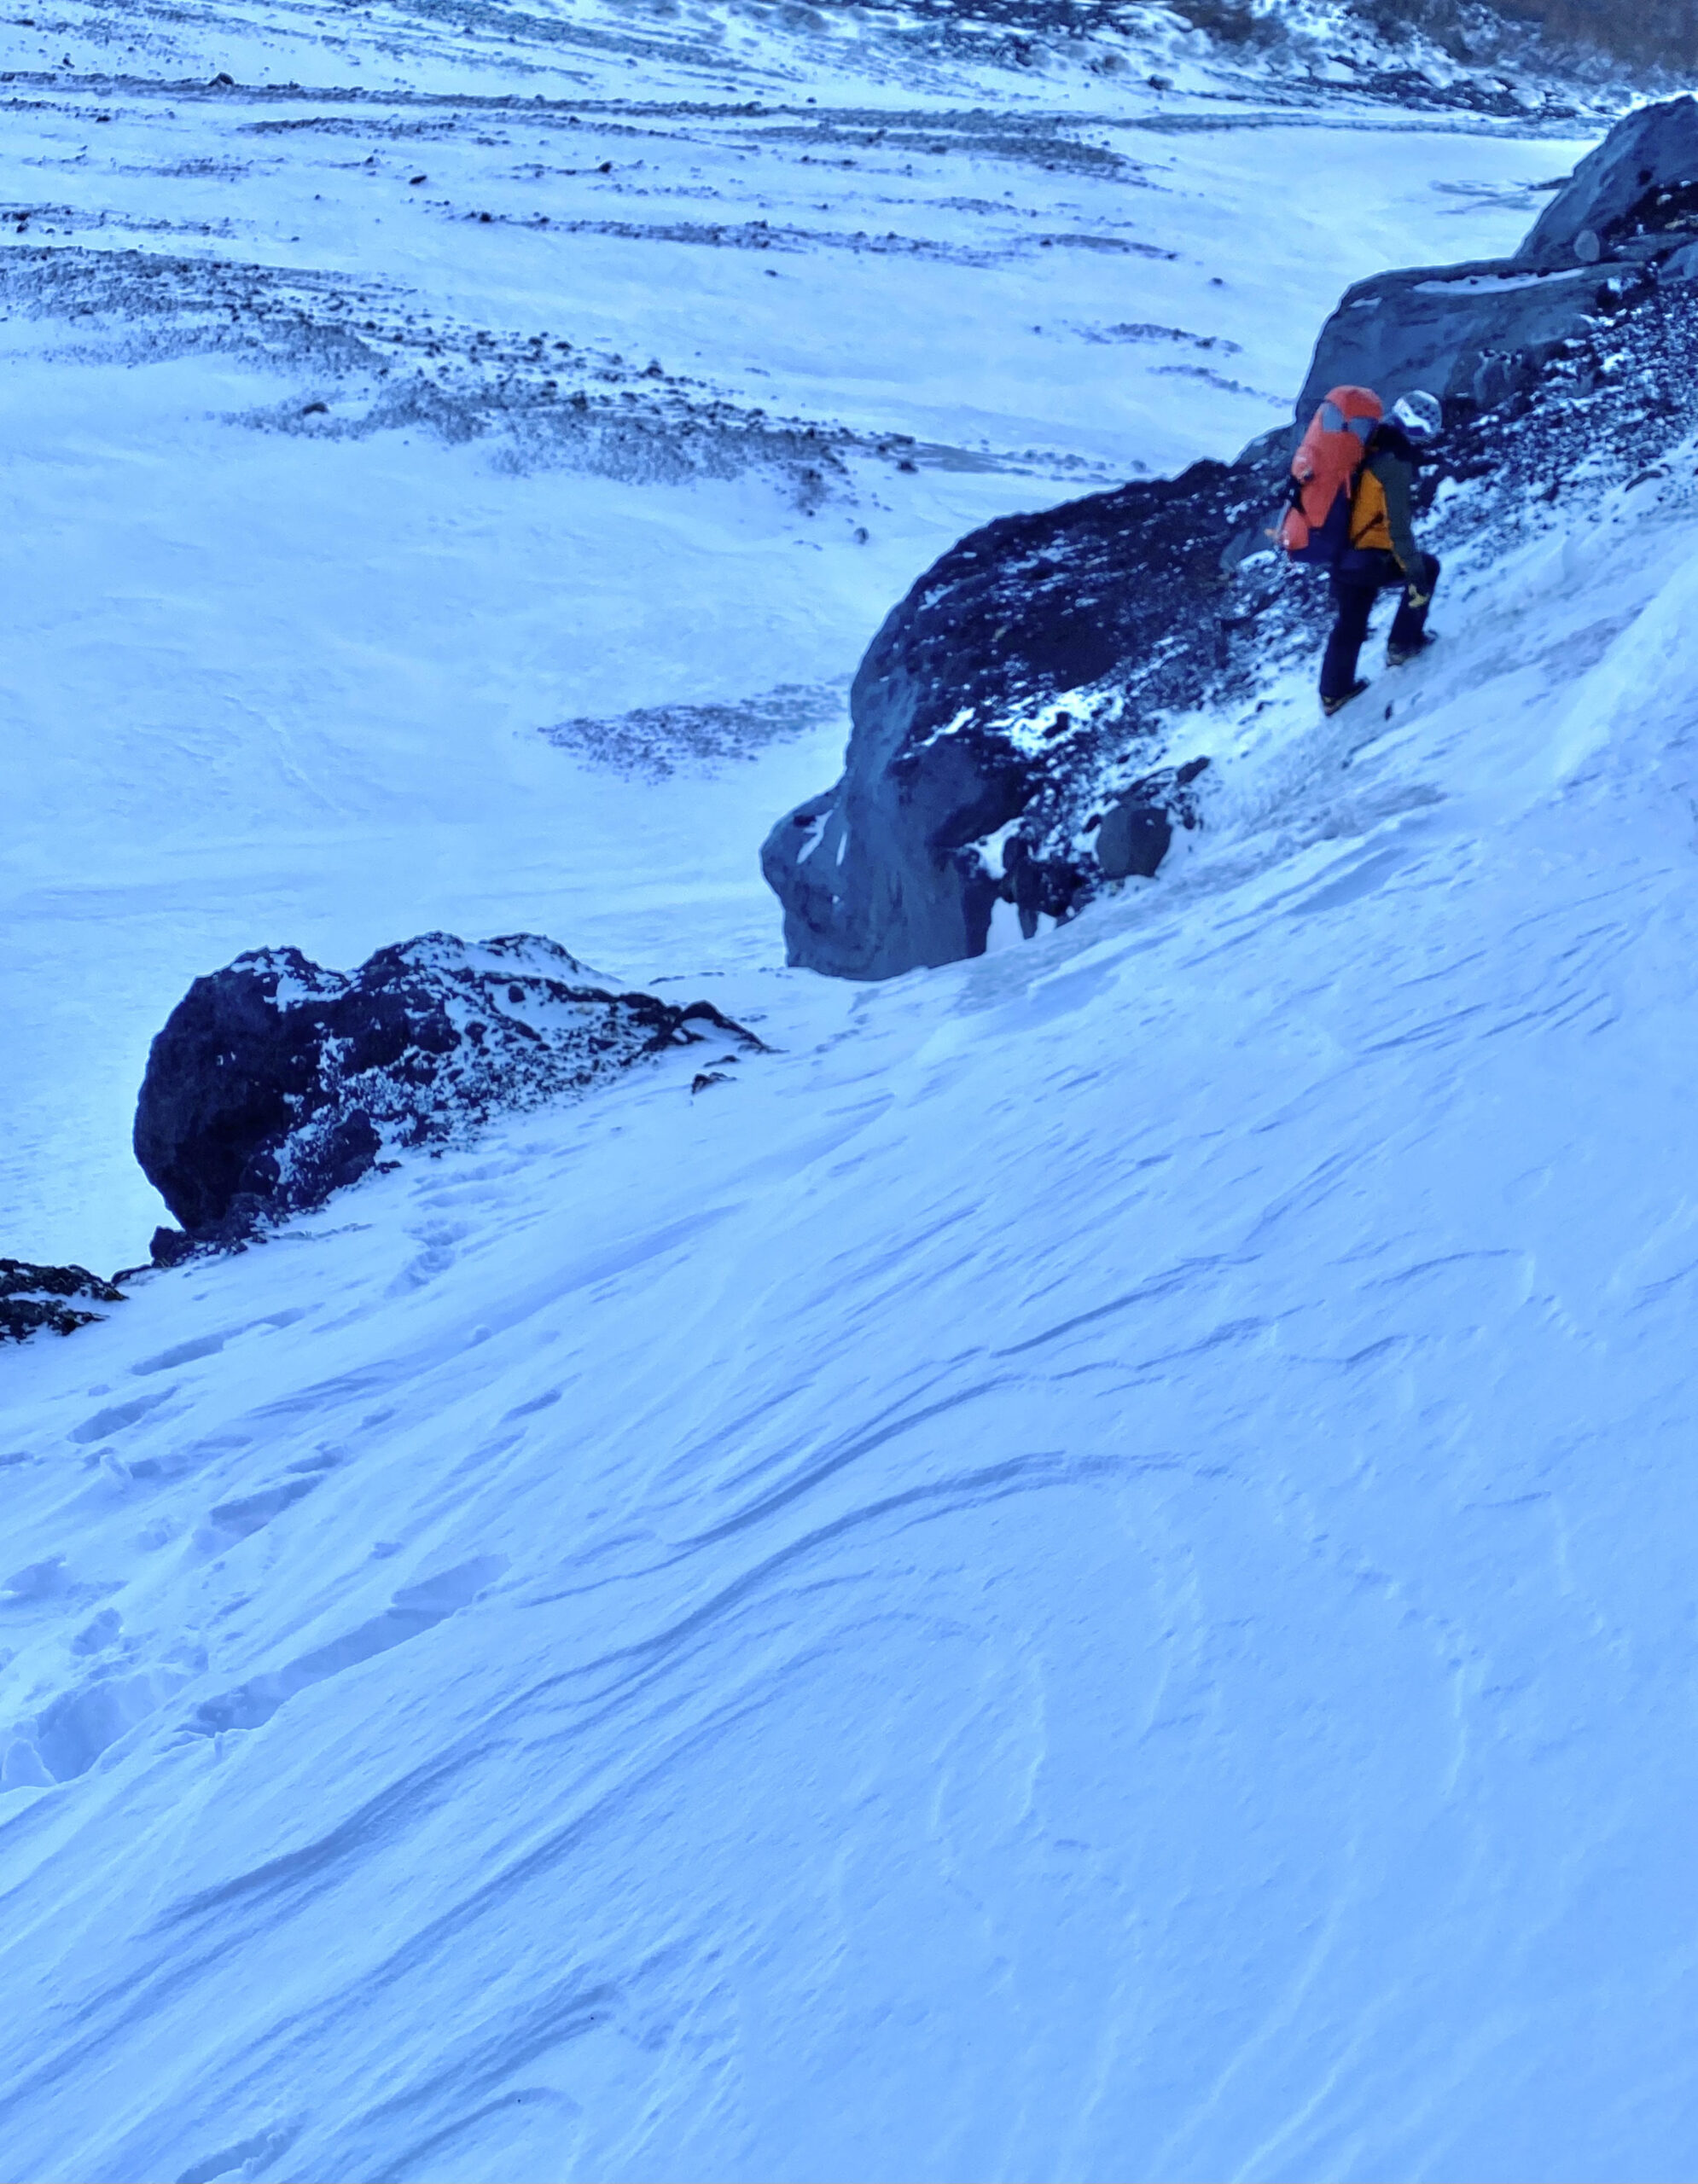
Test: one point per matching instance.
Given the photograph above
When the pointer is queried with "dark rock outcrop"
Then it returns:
(275, 1083)
(1020, 698)
(1134, 834)
(1470, 331)
(1634, 188)
(1020, 680)
(56, 1297)
(1478, 331)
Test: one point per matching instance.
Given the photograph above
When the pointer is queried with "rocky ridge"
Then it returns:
(56, 1298)
(275, 1083)
(1012, 719)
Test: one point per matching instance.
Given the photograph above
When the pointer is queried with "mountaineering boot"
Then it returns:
(1401, 655)
(1331, 706)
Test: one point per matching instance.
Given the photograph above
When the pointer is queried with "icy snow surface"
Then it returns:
(1084, 1572)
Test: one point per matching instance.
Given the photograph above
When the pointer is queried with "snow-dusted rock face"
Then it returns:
(1622, 194)
(1468, 332)
(1017, 681)
(1478, 330)
(1009, 734)
(275, 1083)
(56, 1297)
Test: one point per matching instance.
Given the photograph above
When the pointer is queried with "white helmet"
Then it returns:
(1421, 415)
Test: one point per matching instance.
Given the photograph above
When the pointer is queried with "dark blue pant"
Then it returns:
(1355, 588)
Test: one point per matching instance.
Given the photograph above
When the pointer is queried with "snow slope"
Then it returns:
(1081, 1573)
(274, 673)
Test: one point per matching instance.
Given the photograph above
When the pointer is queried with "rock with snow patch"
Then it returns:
(1474, 331)
(275, 1081)
(1022, 680)
(1134, 834)
(1028, 679)
(1480, 330)
(1641, 182)
(56, 1297)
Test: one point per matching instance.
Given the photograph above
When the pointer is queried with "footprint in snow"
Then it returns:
(38, 1581)
(247, 2158)
(440, 1253)
(119, 1417)
(414, 1609)
(232, 1521)
(64, 1738)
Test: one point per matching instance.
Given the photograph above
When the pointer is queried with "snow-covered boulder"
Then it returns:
(1019, 680)
(275, 1083)
(56, 1297)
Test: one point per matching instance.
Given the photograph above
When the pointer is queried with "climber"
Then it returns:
(1382, 550)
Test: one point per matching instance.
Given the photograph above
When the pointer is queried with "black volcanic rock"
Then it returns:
(1661, 33)
(1134, 833)
(275, 1083)
(1019, 680)
(56, 1297)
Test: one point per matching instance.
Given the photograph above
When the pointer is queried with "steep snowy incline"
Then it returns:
(416, 443)
(1082, 1574)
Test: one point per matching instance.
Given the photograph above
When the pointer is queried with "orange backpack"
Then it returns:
(1323, 474)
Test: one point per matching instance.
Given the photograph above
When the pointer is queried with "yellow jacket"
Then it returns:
(1382, 516)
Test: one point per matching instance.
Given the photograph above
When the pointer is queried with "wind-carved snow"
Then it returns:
(1084, 1573)
(1117, 1510)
